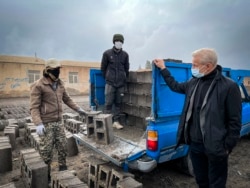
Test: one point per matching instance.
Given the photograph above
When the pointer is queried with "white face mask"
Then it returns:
(196, 73)
(118, 45)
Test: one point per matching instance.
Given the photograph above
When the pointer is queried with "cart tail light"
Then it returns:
(152, 140)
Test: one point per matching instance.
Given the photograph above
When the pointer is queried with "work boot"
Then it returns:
(63, 167)
(117, 125)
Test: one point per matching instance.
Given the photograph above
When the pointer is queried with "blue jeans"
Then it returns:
(210, 172)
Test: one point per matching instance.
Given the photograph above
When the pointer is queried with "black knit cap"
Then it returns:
(118, 37)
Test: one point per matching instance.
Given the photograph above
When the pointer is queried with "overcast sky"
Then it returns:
(82, 30)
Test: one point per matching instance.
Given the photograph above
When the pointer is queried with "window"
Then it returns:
(73, 77)
(33, 75)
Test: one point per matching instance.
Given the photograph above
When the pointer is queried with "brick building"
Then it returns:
(17, 74)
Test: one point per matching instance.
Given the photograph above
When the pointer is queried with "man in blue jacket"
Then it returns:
(211, 119)
(115, 69)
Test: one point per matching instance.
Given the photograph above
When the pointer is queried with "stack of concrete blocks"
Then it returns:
(28, 129)
(9, 185)
(72, 148)
(129, 182)
(94, 165)
(13, 112)
(5, 154)
(33, 169)
(137, 99)
(73, 125)
(89, 119)
(103, 129)
(118, 174)
(66, 179)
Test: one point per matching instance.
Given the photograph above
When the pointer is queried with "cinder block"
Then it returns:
(11, 132)
(26, 165)
(38, 175)
(71, 182)
(12, 121)
(16, 129)
(144, 76)
(93, 171)
(103, 129)
(3, 124)
(72, 148)
(144, 100)
(104, 176)
(117, 175)
(56, 177)
(28, 120)
(90, 122)
(9, 185)
(132, 76)
(4, 139)
(5, 157)
(129, 182)
(73, 125)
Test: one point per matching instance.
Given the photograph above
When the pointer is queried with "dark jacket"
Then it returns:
(220, 115)
(115, 67)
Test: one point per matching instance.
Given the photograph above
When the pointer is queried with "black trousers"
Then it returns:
(210, 171)
(113, 96)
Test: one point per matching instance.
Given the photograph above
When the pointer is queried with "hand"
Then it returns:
(81, 112)
(40, 129)
(160, 63)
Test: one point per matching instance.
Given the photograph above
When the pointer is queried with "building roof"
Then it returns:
(39, 61)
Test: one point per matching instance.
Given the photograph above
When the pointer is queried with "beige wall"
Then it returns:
(14, 81)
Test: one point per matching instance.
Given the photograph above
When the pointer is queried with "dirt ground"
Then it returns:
(166, 175)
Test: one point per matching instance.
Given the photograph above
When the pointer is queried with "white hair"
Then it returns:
(206, 55)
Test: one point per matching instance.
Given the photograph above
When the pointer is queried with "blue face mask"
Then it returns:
(196, 73)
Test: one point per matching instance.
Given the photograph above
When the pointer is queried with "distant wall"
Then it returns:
(14, 76)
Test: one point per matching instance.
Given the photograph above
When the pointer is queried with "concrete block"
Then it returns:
(103, 129)
(28, 119)
(73, 125)
(71, 182)
(70, 116)
(56, 177)
(4, 139)
(11, 133)
(117, 175)
(129, 182)
(144, 100)
(16, 128)
(144, 76)
(93, 171)
(3, 124)
(139, 88)
(72, 148)
(5, 157)
(12, 121)
(132, 76)
(38, 175)
(104, 176)
(21, 122)
(9, 185)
